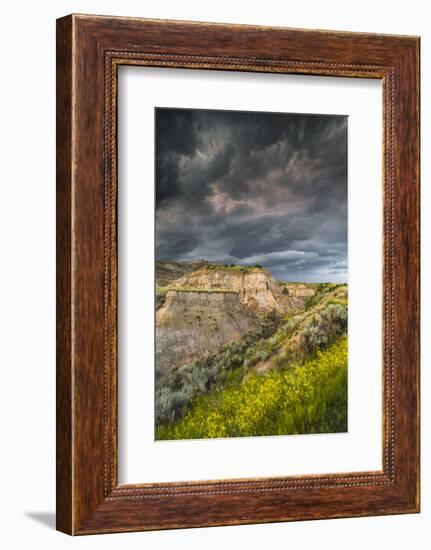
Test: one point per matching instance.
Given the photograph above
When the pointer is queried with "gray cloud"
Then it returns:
(253, 188)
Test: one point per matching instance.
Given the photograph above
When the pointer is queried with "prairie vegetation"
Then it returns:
(299, 398)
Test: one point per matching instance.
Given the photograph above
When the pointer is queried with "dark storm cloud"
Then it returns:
(253, 188)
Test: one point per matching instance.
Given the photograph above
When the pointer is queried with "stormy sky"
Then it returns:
(253, 188)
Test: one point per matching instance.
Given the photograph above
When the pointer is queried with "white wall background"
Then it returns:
(27, 289)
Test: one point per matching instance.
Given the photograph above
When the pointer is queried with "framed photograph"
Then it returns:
(237, 274)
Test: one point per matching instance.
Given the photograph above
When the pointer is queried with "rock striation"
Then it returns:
(192, 324)
(257, 290)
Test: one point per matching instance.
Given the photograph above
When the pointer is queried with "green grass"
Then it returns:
(306, 398)
(337, 302)
(161, 290)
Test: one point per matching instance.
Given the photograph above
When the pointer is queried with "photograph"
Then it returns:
(251, 273)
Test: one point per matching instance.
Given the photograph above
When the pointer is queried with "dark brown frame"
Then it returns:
(89, 51)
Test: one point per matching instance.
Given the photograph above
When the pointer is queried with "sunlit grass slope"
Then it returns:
(303, 399)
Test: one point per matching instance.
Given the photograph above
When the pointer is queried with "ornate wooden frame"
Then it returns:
(89, 51)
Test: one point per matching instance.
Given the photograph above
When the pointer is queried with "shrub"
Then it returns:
(310, 301)
(324, 327)
(314, 337)
(170, 404)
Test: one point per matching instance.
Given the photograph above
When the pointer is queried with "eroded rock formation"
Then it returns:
(194, 324)
(211, 306)
(257, 290)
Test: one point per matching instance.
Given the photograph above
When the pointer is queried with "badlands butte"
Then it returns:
(202, 307)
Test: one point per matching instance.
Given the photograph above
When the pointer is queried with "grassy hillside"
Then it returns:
(306, 397)
(280, 341)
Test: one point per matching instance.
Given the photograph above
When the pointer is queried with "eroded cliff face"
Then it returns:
(256, 288)
(194, 324)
